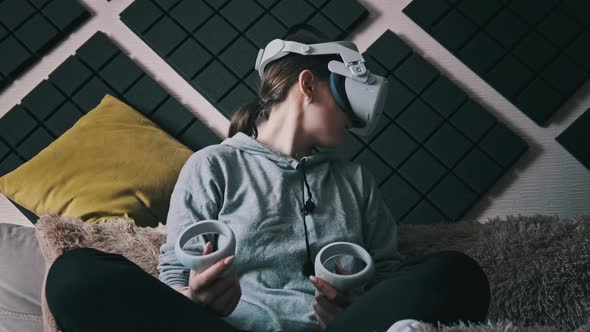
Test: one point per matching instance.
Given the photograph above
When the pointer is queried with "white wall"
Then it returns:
(546, 180)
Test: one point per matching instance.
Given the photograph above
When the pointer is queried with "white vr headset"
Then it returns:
(356, 90)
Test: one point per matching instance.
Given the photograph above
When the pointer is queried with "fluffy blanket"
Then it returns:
(538, 266)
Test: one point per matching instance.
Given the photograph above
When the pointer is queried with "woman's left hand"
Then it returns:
(329, 301)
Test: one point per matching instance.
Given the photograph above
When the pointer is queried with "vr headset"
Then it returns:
(359, 93)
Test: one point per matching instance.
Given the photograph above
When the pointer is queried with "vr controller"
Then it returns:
(200, 263)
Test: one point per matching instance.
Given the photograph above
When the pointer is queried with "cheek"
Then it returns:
(337, 119)
(319, 119)
(326, 114)
(341, 116)
(324, 122)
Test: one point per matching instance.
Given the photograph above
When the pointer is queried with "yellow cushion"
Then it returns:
(114, 162)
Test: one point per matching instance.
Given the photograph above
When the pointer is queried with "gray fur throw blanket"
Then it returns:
(538, 266)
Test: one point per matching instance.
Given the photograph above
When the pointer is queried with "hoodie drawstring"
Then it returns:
(309, 206)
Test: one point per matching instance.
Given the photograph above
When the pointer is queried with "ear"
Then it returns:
(306, 84)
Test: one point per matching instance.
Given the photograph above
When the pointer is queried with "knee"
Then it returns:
(70, 277)
(459, 263)
(464, 270)
(455, 256)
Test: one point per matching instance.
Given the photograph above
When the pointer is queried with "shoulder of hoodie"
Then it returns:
(216, 157)
(221, 154)
(352, 171)
(210, 155)
(357, 175)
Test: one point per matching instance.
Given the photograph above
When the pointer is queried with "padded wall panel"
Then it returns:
(76, 87)
(213, 44)
(28, 29)
(535, 53)
(436, 151)
(576, 139)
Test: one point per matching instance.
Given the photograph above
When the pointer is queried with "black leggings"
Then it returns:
(91, 290)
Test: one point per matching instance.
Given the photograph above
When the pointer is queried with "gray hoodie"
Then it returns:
(259, 193)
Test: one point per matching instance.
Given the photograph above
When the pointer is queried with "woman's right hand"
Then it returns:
(218, 293)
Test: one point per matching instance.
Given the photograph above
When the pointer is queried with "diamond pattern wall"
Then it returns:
(535, 53)
(576, 139)
(436, 151)
(213, 44)
(76, 87)
(30, 28)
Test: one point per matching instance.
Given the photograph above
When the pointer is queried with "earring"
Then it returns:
(309, 100)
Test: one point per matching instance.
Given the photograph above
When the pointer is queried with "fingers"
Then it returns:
(319, 318)
(341, 270)
(224, 294)
(217, 287)
(206, 250)
(227, 302)
(209, 293)
(325, 311)
(222, 283)
(319, 315)
(209, 275)
(330, 292)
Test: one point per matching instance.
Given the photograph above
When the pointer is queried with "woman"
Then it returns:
(284, 203)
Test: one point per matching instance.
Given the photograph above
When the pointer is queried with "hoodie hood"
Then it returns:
(251, 145)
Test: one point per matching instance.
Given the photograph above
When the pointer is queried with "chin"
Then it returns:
(340, 139)
(331, 141)
(333, 138)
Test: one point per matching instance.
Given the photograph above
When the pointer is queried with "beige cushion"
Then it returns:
(21, 275)
(140, 245)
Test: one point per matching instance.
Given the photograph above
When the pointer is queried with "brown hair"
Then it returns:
(279, 76)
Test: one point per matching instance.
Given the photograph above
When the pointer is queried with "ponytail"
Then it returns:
(245, 118)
